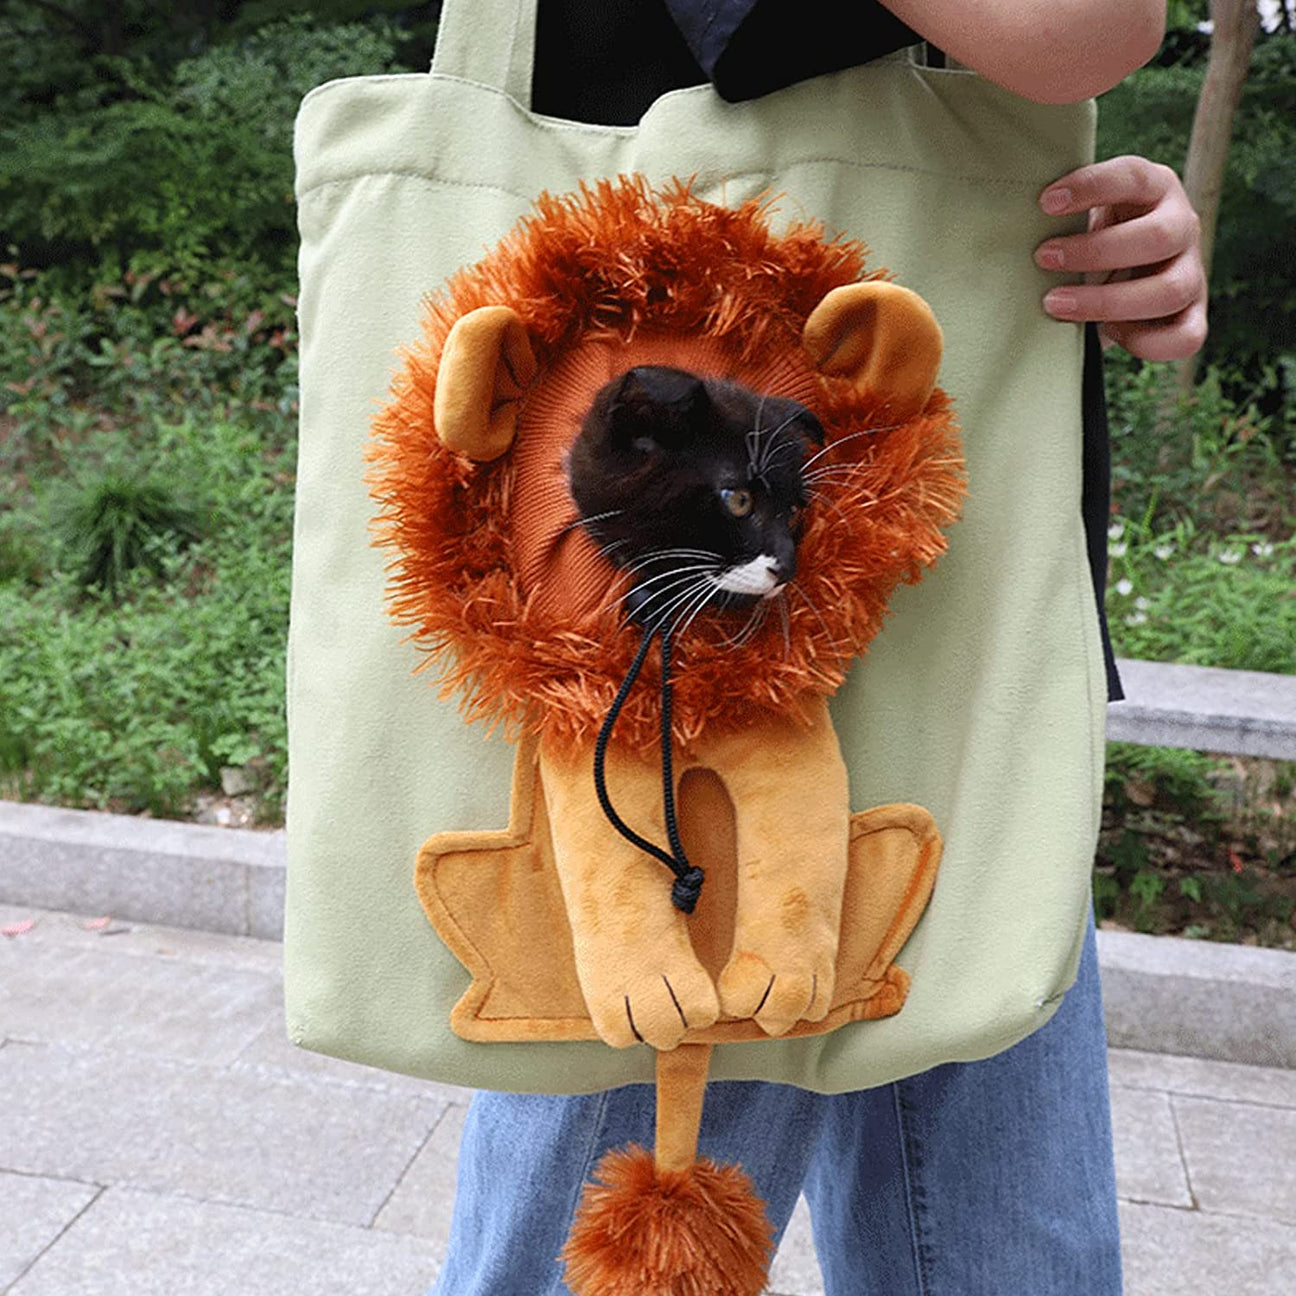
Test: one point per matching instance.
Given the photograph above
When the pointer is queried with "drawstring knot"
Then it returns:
(688, 878)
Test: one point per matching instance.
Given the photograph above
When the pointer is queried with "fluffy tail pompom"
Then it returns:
(699, 1231)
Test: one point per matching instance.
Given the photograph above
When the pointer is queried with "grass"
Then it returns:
(148, 453)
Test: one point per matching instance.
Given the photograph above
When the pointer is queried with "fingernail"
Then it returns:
(1055, 201)
(1060, 302)
(1049, 256)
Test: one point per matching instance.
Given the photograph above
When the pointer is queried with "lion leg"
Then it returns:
(639, 975)
(790, 789)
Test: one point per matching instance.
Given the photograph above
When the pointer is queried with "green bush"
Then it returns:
(1208, 457)
(187, 166)
(119, 521)
(76, 364)
(135, 703)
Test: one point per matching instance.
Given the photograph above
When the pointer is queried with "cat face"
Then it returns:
(694, 486)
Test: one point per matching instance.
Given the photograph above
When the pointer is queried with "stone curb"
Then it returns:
(224, 880)
(1162, 994)
(1199, 999)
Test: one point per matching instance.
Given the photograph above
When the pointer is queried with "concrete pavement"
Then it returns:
(158, 1135)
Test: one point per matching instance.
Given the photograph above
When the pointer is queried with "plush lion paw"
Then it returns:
(654, 1007)
(778, 993)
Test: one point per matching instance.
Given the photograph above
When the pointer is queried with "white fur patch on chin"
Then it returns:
(755, 577)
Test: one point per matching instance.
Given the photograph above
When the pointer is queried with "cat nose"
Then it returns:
(779, 569)
(782, 563)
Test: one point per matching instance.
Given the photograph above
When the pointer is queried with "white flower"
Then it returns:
(1164, 551)
(1135, 618)
(1116, 530)
(1124, 587)
(1262, 550)
(1142, 604)
(1117, 550)
(1271, 13)
(1230, 557)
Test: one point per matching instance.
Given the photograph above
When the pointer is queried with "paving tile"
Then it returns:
(33, 1212)
(276, 1143)
(1170, 1252)
(98, 998)
(147, 940)
(795, 1271)
(1241, 1159)
(132, 1243)
(1148, 1165)
(424, 1199)
(1203, 1078)
(272, 1048)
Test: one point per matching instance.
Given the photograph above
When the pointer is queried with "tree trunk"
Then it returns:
(1236, 23)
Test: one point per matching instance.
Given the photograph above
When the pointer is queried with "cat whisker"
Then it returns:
(671, 573)
(701, 588)
(687, 615)
(662, 615)
(658, 555)
(753, 437)
(757, 467)
(833, 642)
(820, 498)
(786, 623)
(674, 578)
(837, 482)
(648, 560)
(769, 444)
(832, 445)
(608, 550)
(711, 593)
(835, 470)
(750, 627)
(588, 522)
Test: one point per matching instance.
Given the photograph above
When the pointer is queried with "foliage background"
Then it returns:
(148, 400)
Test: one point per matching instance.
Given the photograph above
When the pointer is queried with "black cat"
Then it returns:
(693, 486)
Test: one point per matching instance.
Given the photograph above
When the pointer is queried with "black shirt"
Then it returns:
(605, 62)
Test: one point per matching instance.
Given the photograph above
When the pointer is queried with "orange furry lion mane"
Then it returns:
(613, 263)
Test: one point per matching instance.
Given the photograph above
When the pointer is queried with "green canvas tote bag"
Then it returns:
(982, 699)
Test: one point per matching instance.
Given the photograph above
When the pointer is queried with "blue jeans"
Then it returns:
(974, 1179)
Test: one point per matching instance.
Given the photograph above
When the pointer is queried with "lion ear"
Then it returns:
(882, 336)
(486, 367)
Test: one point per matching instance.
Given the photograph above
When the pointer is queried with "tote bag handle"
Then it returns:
(490, 43)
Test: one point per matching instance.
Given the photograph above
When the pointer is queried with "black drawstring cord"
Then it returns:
(688, 879)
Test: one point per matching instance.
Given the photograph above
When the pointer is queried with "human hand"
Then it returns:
(1141, 257)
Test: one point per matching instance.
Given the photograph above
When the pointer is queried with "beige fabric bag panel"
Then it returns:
(982, 699)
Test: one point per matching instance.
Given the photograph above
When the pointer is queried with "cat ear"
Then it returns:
(486, 367)
(654, 407)
(882, 336)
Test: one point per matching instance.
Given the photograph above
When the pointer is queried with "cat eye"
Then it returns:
(737, 501)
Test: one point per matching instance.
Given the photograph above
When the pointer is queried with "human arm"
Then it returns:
(1142, 255)
(1052, 51)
